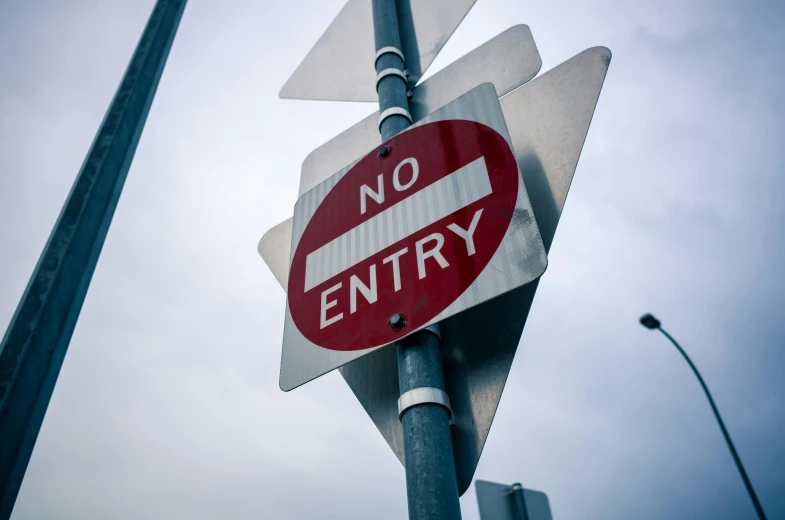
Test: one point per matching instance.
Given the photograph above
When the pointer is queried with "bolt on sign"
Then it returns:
(431, 223)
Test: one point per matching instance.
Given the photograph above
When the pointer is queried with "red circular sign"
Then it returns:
(406, 231)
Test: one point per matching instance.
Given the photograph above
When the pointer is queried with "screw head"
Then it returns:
(397, 321)
(384, 151)
(650, 322)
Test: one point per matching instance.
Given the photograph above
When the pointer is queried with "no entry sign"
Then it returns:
(431, 223)
(405, 233)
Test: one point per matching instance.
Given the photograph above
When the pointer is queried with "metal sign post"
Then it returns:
(431, 483)
(36, 341)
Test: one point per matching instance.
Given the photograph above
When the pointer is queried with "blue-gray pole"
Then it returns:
(652, 323)
(431, 483)
(37, 338)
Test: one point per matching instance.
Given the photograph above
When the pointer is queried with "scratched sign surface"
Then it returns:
(438, 223)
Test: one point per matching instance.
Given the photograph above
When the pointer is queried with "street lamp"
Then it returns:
(650, 322)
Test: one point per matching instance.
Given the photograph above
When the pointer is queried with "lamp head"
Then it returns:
(650, 322)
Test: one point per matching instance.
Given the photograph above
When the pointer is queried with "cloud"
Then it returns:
(168, 404)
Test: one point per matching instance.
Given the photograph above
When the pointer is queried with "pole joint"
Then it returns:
(394, 111)
(388, 50)
(392, 72)
(424, 395)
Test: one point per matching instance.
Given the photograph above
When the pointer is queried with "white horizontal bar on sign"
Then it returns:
(457, 190)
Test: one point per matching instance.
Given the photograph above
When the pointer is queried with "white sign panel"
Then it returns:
(431, 224)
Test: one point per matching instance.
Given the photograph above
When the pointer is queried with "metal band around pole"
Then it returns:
(388, 50)
(394, 111)
(434, 329)
(424, 395)
(392, 72)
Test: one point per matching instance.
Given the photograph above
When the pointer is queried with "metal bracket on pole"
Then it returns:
(394, 111)
(388, 50)
(424, 395)
(392, 72)
(434, 329)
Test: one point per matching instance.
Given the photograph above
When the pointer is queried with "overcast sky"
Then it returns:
(168, 403)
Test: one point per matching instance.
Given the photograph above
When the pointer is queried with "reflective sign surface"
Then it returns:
(436, 224)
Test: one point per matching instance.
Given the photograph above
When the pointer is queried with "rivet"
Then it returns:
(397, 321)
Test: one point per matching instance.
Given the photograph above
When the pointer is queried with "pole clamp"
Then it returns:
(394, 111)
(434, 329)
(388, 50)
(424, 395)
(392, 72)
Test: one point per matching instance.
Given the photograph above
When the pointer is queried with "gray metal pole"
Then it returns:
(431, 483)
(392, 89)
(37, 338)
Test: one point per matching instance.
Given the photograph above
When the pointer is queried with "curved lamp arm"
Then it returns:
(650, 322)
